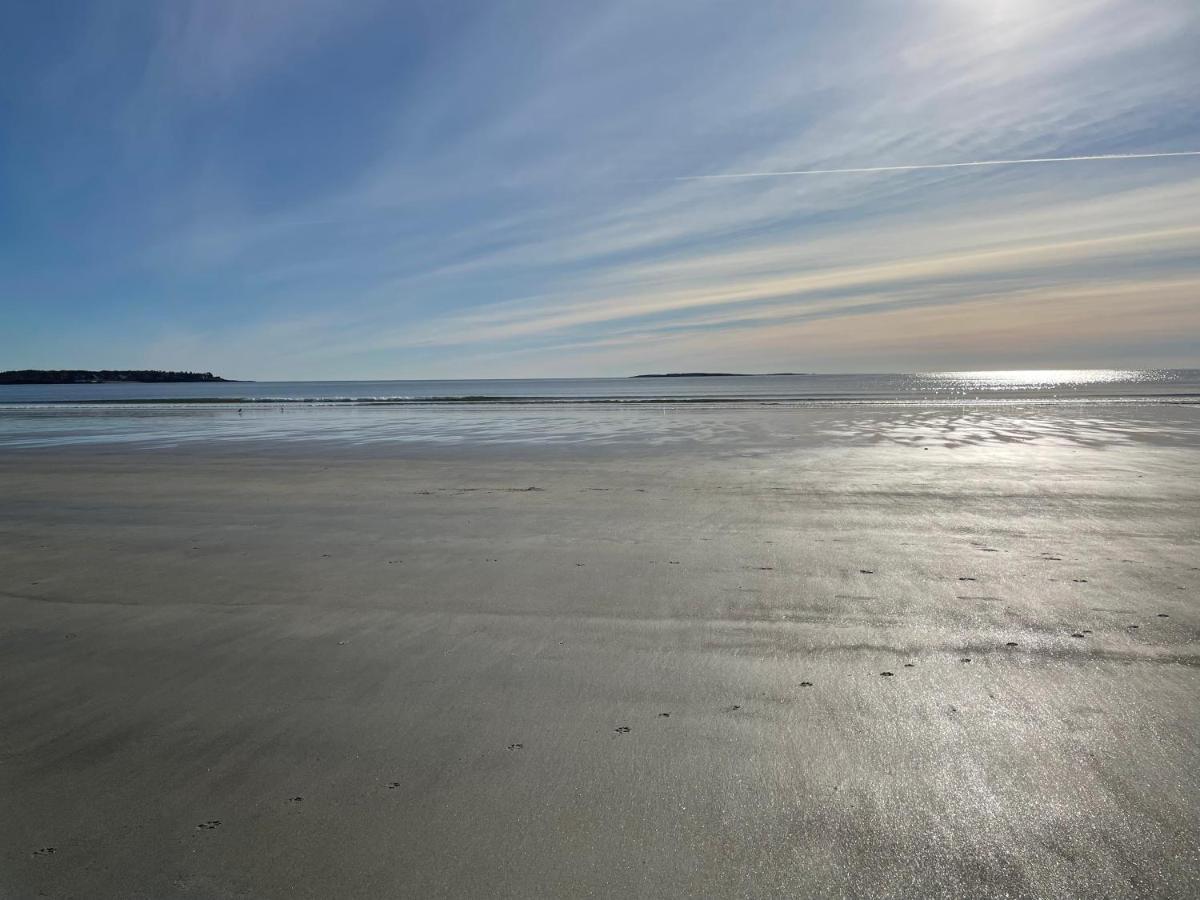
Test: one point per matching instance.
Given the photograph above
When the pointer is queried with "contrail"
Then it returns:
(953, 165)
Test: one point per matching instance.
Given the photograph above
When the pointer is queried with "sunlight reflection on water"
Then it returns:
(1039, 379)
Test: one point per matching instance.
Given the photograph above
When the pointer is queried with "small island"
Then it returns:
(101, 376)
(714, 374)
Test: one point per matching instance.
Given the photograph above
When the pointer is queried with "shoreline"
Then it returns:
(631, 428)
(750, 402)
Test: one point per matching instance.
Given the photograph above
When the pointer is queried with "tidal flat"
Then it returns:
(882, 663)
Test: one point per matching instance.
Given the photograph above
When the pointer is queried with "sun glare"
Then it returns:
(1040, 378)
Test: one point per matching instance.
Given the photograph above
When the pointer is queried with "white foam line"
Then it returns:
(953, 165)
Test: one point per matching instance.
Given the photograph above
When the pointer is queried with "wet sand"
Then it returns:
(867, 671)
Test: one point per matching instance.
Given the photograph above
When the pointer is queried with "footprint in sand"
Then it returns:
(209, 825)
(622, 729)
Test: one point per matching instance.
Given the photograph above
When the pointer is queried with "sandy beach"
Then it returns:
(860, 670)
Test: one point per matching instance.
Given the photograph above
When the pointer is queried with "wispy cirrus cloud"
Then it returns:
(309, 190)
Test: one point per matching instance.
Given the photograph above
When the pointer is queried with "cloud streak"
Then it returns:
(954, 165)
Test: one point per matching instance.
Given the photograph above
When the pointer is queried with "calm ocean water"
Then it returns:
(731, 413)
(1074, 384)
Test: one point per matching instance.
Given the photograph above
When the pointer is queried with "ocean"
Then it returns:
(712, 411)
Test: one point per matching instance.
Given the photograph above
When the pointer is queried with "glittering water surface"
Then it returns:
(1088, 382)
(1094, 408)
(721, 428)
(957, 386)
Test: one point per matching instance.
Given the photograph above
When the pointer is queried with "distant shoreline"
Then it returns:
(105, 376)
(716, 374)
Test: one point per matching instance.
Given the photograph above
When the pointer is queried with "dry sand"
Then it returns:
(512, 674)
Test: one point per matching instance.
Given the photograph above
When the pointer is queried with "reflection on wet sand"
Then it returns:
(716, 428)
(1034, 425)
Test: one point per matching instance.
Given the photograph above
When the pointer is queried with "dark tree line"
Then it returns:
(99, 376)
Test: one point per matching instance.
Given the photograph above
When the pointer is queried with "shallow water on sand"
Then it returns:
(726, 428)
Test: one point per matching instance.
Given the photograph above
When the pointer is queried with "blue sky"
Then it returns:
(320, 189)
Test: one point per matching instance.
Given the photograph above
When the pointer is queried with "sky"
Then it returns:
(323, 189)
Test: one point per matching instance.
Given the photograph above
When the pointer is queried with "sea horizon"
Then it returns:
(953, 386)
